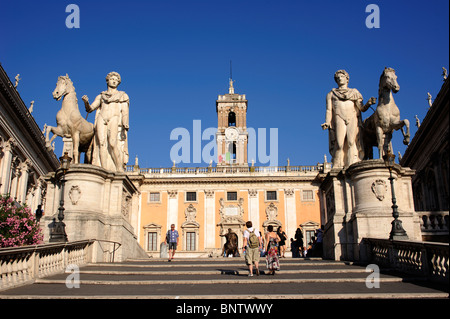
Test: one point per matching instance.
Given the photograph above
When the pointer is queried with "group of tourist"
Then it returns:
(272, 246)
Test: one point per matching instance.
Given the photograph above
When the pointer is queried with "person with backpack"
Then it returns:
(252, 245)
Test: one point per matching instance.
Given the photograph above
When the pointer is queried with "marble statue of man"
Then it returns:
(344, 123)
(429, 97)
(17, 78)
(111, 125)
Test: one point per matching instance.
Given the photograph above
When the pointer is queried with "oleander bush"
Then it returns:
(18, 225)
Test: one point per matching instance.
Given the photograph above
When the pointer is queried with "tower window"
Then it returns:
(232, 119)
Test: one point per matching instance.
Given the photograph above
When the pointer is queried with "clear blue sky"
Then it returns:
(174, 55)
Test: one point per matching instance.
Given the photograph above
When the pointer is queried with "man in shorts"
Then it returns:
(251, 253)
(172, 240)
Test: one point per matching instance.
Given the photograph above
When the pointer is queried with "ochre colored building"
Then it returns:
(204, 202)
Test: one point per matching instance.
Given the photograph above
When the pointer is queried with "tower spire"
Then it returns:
(231, 89)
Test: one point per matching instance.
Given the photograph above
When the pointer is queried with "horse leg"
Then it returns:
(407, 134)
(57, 131)
(387, 145)
(76, 147)
(380, 141)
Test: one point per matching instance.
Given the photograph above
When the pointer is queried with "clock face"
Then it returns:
(231, 133)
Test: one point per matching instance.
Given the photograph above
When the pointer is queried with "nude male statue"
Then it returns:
(111, 119)
(344, 122)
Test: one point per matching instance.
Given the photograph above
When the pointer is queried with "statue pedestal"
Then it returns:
(357, 204)
(99, 204)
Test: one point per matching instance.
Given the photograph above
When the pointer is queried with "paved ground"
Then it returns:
(225, 278)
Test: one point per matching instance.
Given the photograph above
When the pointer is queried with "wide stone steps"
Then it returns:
(224, 278)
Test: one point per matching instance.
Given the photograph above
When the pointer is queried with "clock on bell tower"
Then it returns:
(232, 135)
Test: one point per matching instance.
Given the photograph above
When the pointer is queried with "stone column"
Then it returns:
(210, 220)
(290, 214)
(24, 168)
(5, 173)
(172, 209)
(38, 194)
(253, 208)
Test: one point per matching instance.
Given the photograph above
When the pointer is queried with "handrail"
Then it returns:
(114, 247)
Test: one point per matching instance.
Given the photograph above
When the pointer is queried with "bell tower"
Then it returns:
(232, 135)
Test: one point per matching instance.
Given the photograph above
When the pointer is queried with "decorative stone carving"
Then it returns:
(289, 192)
(271, 212)
(126, 204)
(271, 215)
(379, 188)
(231, 213)
(190, 213)
(75, 194)
(172, 193)
(209, 193)
(252, 192)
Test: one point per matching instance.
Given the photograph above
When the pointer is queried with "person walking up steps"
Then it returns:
(252, 244)
(272, 260)
(172, 241)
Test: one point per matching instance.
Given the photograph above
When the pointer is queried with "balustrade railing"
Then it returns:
(426, 259)
(433, 221)
(226, 170)
(22, 265)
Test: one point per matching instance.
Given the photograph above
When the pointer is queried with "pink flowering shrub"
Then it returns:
(18, 226)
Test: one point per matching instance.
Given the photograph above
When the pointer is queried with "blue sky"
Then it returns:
(174, 56)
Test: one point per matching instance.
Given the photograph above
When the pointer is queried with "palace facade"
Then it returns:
(205, 202)
(431, 162)
(24, 158)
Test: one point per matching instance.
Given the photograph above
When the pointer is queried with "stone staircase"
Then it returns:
(224, 278)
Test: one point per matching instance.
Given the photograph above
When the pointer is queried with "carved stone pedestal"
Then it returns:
(357, 204)
(98, 205)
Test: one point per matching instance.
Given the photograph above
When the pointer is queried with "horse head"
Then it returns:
(63, 87)
(388, 80)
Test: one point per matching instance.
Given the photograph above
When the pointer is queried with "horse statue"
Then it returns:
(70, 122)
(378, 128)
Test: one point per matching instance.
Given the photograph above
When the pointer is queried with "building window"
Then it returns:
(154, 197)
(190, 241)
(310, 236)
(231, 119)
(308, 195)
(271, 195)
(191, 196)
(152, 241)
(231, 196)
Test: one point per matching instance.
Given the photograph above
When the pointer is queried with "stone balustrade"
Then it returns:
(22, 265)
(425, 259)
(219, 170)
(433, 221)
